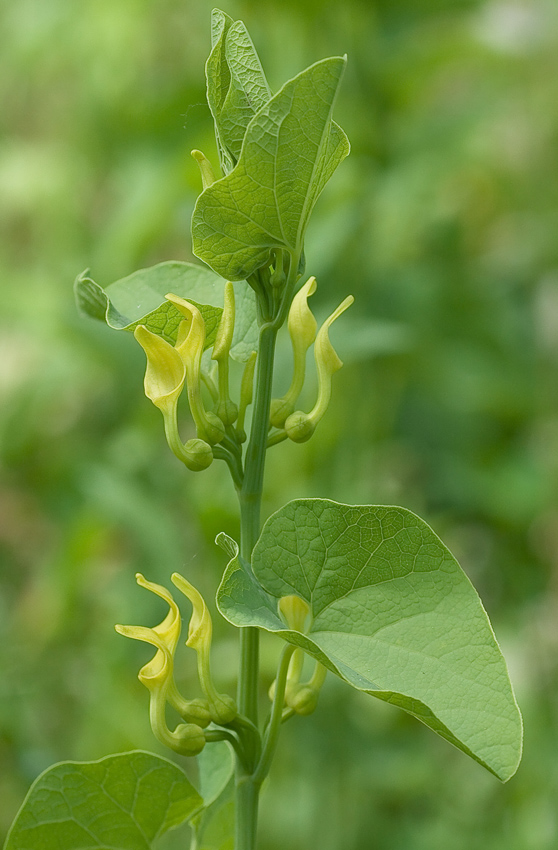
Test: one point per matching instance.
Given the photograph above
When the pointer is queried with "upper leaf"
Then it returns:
(121, 802)
(393, 615)
(139, 299)
(236, 85)
(291, 148)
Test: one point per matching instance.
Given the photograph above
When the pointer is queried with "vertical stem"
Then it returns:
(250, 497)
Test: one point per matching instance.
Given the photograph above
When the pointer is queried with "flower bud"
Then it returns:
(190, 739)
(206, 169)
(303, 700)
(227, 411)
(196, 711)
(294, 611)
(280, 410)
(299, 427)
(197, 455)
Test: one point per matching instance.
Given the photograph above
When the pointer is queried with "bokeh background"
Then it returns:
(444, 225)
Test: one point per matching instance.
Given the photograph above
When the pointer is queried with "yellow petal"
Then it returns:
(165, 373)
(327, 359)
(189, 345)
(302, 324)
(200, 629)
(157, 672)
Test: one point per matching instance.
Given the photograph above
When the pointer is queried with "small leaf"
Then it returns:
(393, 615)
(217, 828)
(139, 299)
(121, 802)
(291, 148)
(236, 85)
(214, 824)
(215, 768)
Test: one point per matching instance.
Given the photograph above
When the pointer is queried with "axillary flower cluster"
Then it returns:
(220, 433)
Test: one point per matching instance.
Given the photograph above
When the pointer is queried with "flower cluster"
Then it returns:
(157, 675)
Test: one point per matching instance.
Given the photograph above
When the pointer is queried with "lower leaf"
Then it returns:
(121, 802)
(393, 615)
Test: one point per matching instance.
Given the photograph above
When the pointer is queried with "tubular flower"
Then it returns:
(302, 330)
(222, 708)
(227, 411)
(164, 380)
(246, 394)
(157, 676)
(190, 344)
(300, 426)
(165, 373)
(300, 697)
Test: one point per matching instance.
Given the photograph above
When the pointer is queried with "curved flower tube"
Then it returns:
(165, 373)
(302, 330)
(164, 380)
(222, 707)
(226, 410)
(190, 344)
(300, 426)
(157, 676)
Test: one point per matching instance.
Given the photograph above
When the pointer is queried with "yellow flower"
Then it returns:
(165, 373)
(190, 344)
(302, 330)
(157, 676)
(222, 707)
(299, 425)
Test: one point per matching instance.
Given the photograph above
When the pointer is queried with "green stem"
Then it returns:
(272, 313)
(274, 726)
(250, 497)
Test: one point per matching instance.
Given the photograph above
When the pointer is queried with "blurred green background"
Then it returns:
(444, 225)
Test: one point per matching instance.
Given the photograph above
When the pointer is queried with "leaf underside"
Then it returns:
(139, 299)
(291, 148)
(393, 615)
(214, 824)
(121, 802)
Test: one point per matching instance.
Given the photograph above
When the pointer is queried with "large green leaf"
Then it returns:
(393, 614)
(121, 802)
(236, 85)
(291, 148)
(139, 299)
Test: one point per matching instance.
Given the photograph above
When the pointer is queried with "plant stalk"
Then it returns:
(250, 496)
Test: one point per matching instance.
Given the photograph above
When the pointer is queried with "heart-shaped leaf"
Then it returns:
(393, 615)
(291, 148)
(121, 802)
(139, 299)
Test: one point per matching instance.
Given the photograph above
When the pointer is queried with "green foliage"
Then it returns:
(443, 223)
(139, 299)
(392, 614)
(214, 825)
(126, 801)
(290, 150)
(236, 85)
